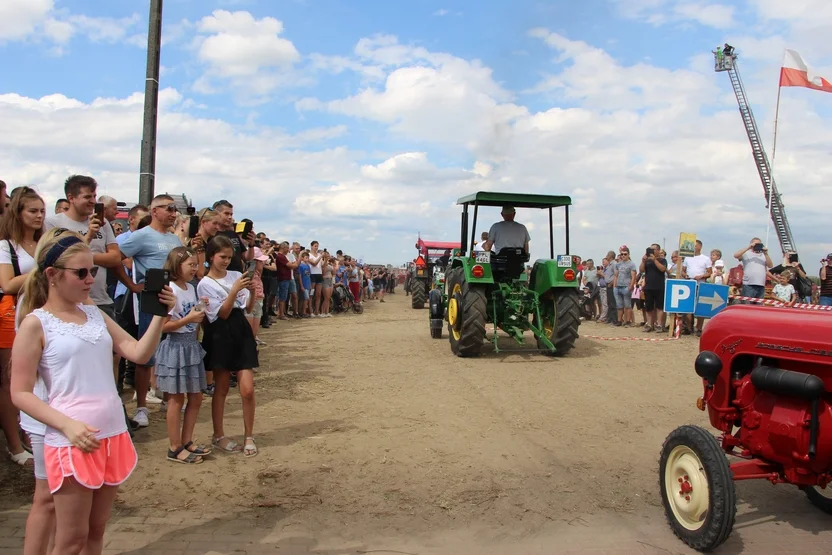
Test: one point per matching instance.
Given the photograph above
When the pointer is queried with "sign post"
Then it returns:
(687, 245)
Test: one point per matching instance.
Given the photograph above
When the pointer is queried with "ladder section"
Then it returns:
(775, 203)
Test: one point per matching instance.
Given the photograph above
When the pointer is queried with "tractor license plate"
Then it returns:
(484, 257)
(565, 261)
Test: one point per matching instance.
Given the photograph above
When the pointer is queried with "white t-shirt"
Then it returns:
(315, 263)
(290, 256)
(98, 245)
(507, 234)
(77, 368)
(24, 260)
(697, 265)
(217, 291)
(185, 301)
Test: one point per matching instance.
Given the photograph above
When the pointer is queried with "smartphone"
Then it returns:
(244, 228)
(154, 281)
(99, 212)
(193, 227)
(649, 251)
(793, 257)
(758, 247)
(250, 266)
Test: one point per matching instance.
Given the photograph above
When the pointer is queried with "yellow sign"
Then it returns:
(687, 244)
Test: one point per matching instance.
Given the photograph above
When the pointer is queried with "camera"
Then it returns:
(757, 247)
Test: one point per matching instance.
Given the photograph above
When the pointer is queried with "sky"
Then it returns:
(359, 124)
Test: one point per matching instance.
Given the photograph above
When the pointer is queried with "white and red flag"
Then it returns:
(795, 73)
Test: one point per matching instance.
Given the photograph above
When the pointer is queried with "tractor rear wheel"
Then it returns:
(418, 294)
(467, 306)
(697, 488)
(561, 315)
(821, 497)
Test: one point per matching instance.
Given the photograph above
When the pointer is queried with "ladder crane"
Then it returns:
(725, 60)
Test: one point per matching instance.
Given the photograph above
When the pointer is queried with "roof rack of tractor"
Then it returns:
(518, 200)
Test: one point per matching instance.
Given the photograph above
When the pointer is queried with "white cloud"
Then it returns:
(245, 52)
(441, 12)
(38, 19)
(19, 19)
(663, 12)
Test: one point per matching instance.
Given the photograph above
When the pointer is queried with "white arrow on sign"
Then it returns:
(715, 301)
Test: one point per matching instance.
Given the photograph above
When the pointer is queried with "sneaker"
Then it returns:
(208, 391)
(151, 398)
(141, 417)
(260, 342)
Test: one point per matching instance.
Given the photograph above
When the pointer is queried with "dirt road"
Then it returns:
(371, 434)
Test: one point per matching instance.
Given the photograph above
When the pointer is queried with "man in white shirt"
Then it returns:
(478, 247)
(698, 268)
(507, 233)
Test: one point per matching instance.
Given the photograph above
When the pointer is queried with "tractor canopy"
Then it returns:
(518, 200)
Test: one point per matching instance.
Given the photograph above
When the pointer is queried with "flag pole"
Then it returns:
(773, 152)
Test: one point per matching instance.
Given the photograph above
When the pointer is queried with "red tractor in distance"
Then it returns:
(428, 262)
(767, 375)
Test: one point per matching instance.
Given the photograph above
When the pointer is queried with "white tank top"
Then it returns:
(77, 369)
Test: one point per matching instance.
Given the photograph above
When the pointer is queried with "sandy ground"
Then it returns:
(367, 427)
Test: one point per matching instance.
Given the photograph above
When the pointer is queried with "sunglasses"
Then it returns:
(82, 273)
(170, 207)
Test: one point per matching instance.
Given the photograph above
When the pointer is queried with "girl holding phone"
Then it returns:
(69, 344)
(228, 340)
(180, 370)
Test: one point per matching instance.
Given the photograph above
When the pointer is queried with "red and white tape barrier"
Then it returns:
(677, 333)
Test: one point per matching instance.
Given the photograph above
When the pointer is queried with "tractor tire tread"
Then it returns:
(418, 294)
(722, 505)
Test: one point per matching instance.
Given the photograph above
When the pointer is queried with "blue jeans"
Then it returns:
(623, 297)
(753, 291)
(825, 300)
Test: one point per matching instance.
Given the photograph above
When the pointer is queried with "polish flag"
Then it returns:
(795, 73)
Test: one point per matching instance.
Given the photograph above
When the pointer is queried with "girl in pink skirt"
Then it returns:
(69, 343)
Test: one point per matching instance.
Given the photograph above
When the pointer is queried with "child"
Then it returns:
(179, 367)
(784, 291)
(306, 284)
(228, 340)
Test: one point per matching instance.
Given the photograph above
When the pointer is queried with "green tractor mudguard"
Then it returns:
(559, 273)
(475, 272)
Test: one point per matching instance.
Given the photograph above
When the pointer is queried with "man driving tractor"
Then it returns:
(507, 233)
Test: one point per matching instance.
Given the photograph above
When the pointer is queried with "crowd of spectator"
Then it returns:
(76, 283)
(621, 286)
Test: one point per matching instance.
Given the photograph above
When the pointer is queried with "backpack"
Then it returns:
(15, 265)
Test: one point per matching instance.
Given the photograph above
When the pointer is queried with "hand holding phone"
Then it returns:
(157, 298)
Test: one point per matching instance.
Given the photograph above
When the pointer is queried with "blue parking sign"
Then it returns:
(711, 300)
(680, 296)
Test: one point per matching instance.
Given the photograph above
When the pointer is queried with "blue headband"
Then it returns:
(57, 250)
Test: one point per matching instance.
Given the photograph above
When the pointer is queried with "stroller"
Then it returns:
(588, 307)
(343, 300)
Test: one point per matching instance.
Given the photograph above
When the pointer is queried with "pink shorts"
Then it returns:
(111, 464)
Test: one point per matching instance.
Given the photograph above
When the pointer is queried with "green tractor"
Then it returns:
(482, 287)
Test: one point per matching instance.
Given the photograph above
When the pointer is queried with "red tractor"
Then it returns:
(767, 374)
(433, 258)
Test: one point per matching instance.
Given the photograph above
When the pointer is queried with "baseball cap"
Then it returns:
(623, 248)
(829, 256)
(258, 255)
(507, 210)
(719, 264)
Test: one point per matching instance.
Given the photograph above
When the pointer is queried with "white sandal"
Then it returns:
(21, 458)
(250, 448)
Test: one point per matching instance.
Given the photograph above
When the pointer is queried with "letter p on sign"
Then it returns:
(678, 293)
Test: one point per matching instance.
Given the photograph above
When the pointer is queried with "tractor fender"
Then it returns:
(437, 309)
(548, 274)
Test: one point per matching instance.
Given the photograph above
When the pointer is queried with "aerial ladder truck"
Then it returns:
(725, 60)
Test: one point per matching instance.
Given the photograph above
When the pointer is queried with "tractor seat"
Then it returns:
(509, 263)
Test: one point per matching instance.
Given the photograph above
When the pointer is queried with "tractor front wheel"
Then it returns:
(561, 316)
(419, 293)
(821, 497)
(697, 488)
(467, 306)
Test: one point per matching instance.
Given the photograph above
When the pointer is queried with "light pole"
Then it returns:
(147, 175)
